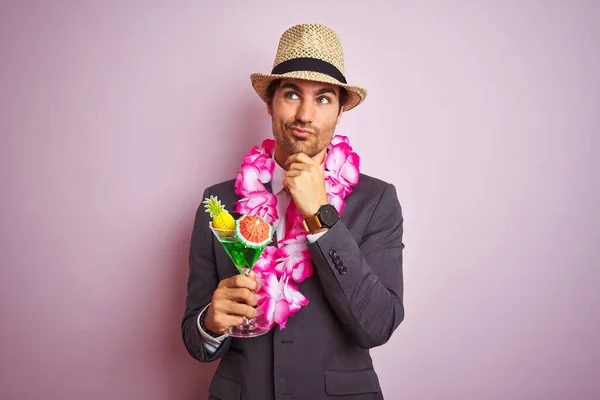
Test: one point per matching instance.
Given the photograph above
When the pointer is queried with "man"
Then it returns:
(352, 283)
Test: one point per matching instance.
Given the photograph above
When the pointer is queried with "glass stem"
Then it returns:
(246, 272)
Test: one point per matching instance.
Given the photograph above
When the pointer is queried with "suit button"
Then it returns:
(339, 264)
(332, 253)
(343, 270)
(336, 259)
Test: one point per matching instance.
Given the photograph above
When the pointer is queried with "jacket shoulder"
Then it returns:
(224, 191)
(370, 183)
(370, 191)
(222, 187)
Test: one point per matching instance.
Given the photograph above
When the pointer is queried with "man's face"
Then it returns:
(304, 115)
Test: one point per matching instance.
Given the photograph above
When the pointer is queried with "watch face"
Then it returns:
(328, 215)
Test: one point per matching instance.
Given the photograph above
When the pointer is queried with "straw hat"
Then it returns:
(311, 52)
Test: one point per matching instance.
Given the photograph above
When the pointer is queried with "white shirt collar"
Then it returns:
(278, 176)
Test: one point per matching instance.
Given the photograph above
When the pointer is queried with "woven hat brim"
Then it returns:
(260, 83)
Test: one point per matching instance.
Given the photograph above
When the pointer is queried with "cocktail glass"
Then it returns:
(244, 257)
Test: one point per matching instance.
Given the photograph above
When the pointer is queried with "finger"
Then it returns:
(293, 173)
(240, 281)
(224, 322)
(240, 295)
(298, 166)
(242, 310)
(288, 183)
(300, 158)
(291, 159)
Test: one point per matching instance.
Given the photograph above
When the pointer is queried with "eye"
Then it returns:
(291, 95)
(323, 100)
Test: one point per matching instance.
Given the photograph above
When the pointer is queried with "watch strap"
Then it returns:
(312, 223)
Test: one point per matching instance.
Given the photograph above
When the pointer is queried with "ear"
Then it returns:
(339, 117)
(269, 109)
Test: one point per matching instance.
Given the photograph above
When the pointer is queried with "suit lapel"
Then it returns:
(270, 189)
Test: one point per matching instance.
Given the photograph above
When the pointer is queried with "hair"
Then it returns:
(275, 84)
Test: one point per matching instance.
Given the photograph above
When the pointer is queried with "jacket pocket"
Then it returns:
(224, 389)
(339, 383)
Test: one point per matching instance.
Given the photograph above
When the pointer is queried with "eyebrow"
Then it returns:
(290, 85)
(327, 90)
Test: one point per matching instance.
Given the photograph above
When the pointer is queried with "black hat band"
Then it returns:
(309, 64)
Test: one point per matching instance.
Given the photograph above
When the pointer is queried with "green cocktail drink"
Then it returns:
(243, 257)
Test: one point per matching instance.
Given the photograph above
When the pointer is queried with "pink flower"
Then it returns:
(262, 203)
(350, 169)
(343, 163)
(266, 259)
(252, 155)
(294, 259)
(248, 180)
(263, 163)
(280, 300)
(339, 139)
(337, 202)
(333, 186)
(293, 296)
(268, 146)
(336, 191)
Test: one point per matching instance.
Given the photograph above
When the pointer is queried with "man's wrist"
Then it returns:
(202, 324)
(316, 209)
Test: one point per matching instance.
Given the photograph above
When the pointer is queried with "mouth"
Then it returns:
(300, 133)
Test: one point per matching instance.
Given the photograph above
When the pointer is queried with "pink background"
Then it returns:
(115, 115)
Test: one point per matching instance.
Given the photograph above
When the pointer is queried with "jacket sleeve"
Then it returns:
(363, 281)
(202, 282)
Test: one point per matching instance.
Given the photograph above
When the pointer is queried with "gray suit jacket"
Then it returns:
(323, 353)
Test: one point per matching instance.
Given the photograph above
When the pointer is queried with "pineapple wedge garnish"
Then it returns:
(222, 221)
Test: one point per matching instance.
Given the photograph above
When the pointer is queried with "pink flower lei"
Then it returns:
(279, 267)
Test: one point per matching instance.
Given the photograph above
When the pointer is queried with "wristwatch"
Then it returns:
(326, 217)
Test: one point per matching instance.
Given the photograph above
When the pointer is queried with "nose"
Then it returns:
(305, 112)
